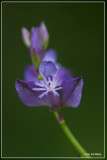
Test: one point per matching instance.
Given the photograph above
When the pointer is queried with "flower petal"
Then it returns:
(54, 100)
(30, 73)
(41, 67)
(61, 75)
(47, 69)
(50, 69)
(27, 95)
(50, 55)
(72, 91)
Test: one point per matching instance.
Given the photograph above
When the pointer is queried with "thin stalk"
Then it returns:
(70, 136)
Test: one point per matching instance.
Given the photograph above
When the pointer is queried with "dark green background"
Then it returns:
(77, 33)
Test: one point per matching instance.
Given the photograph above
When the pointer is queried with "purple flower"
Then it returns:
(45, 92)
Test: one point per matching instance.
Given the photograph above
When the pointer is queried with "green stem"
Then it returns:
(70, 136)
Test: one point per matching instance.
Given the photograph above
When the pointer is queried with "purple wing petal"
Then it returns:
(27, 95)
(50, 55)
(47, 69)
(61, 75)
(72, 91)
(30, 73)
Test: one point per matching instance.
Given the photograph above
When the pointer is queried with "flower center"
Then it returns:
(47, 85)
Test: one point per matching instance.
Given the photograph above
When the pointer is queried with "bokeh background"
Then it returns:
(77, 34)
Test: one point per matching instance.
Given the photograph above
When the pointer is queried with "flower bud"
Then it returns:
(37, 44)
(44, 34)
(26, 37)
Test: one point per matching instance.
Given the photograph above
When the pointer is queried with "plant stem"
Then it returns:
(70, 136)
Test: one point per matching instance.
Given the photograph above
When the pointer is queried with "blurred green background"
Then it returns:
(77, 34)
